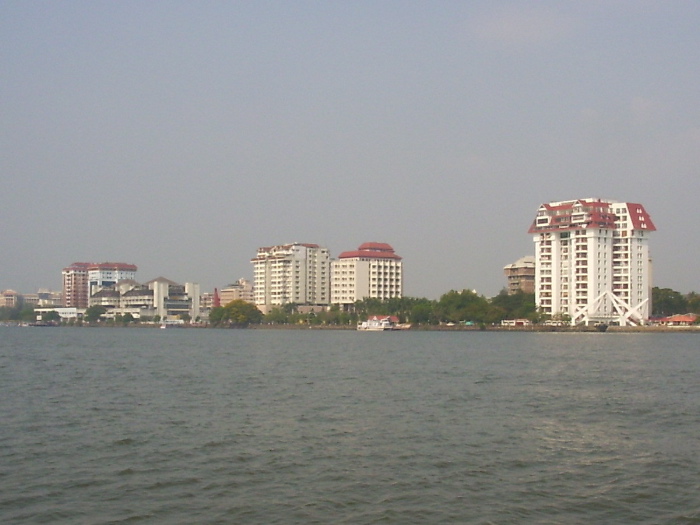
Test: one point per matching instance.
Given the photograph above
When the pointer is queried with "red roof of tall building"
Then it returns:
(639, 217)
(372, 250)
(119, 266)
(599, 214)
(101, 266)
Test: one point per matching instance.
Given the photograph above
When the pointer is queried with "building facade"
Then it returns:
(81, 280)
(10, 299)
(291, 273)
(242, 290)
(374, 270)
(108, 274)
(521, 275)
(75, 285)
(172, 300)
(592, 261)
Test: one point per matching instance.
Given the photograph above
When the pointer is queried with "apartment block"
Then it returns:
(82, 279)
(10, 299)
(108, 274)
(374, 270)
(75, 285)
(242, 290)
(291, 273)
(592, 261)
(521, 275)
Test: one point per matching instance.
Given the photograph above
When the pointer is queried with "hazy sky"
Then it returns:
(182, 136)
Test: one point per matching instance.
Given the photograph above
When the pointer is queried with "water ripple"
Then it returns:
(129, 426)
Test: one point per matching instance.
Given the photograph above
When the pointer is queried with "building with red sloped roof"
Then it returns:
(678, 320)
(82, 279)
(592, 261)
(374, 270)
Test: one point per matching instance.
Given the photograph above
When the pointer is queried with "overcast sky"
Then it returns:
(182, 136)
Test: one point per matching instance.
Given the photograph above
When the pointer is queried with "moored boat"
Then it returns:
(379, 323)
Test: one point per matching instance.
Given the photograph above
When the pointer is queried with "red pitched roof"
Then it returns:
(599, 215)
(371, 250)
(113, 266)
(679, 318)
(639, 217)
(378, 246)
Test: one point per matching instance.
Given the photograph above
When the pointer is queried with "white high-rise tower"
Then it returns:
(291, 273)
(592, 261)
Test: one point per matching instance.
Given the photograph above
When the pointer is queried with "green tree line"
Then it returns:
(665, 302)
(461, 307)
(452, 307)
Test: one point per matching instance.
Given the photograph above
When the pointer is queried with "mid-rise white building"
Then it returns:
(242, 290)
(592, 261)
(108, 274)
(371, 271)
(163, 297)
(82, 279)
(291, 273)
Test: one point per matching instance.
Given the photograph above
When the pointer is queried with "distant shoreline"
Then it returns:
(420, 328)
(534, 328)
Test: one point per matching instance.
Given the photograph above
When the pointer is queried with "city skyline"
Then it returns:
(180, 136)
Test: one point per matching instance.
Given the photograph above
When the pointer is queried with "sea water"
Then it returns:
(212, 426)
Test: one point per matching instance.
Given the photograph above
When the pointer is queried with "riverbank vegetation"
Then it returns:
(464, 307)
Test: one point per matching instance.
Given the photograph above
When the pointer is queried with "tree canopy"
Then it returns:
(236, 313)
(94, 313)
(666, 302)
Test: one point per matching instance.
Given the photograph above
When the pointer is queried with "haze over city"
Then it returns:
(182, 136)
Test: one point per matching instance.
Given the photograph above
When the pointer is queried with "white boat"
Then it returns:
(381, 323)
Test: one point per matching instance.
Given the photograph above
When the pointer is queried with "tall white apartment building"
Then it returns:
(371, 271)
(592, 261)
(291, 273)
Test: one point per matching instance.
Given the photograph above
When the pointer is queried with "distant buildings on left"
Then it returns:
(44, 297)
(114, 287)
(81, 280)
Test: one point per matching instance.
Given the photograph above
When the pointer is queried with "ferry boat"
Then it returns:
(382, 323)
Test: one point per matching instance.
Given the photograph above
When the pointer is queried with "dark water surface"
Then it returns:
(251, 426)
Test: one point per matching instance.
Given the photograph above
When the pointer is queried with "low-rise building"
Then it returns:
(171, 299)
(11, 299)
(678, 320)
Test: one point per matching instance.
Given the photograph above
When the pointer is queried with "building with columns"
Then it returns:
(592, 261)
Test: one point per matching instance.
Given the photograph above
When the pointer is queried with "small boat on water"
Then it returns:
(382, 323)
